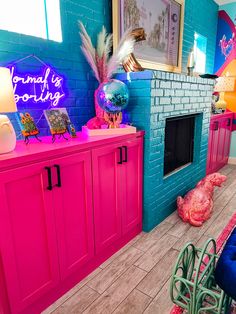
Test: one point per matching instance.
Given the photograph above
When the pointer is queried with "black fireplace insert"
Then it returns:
(179, 142)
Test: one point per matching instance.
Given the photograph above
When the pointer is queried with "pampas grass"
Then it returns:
(102, 65)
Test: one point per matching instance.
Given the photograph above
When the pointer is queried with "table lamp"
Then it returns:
(224, 84)
(7, 104)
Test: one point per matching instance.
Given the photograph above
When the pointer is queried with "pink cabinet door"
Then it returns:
(228, 131)
(27, 235)
(73, 211)
(132, 184)
(221, 144)
(210, 148)
(213, 144)
(107, 194)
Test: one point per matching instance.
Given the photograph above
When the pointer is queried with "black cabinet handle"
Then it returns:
(120, 155)
(49, 171)
(215, 125)
(126, 153)
(58, 175)
(228, 122)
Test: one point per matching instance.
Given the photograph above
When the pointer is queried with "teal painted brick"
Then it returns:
(160, 193)
(65, 57)
(201, 16)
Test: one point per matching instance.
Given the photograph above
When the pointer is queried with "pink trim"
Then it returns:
(220, 241)
(224, 16)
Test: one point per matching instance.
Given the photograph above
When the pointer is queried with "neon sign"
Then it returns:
(45, 88)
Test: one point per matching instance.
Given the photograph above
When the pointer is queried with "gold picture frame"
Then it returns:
(149, 59)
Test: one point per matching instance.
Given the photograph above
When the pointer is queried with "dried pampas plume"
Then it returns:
(98, 58)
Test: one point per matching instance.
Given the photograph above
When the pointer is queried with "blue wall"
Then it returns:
(65, 57)
(201, 16)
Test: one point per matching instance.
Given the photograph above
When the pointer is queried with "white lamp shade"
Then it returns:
(7, 99)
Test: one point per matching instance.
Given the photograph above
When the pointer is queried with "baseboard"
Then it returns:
(232, 161)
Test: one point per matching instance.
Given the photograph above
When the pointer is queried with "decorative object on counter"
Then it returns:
(28, 127)
(163, 22)
(191, 62)
(111, 96)
(131, 64)
(7, 104)
(123, 129)
(59, 123)
(224, 84)
(215, 98)
(216, 109)
(196, 207)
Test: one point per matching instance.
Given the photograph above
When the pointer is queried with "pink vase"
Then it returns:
(98, 110)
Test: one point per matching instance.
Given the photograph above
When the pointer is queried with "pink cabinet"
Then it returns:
(27, 235)
(73, 211)
(64, 216)
(219, 141)
(33, 240)
(117, 188)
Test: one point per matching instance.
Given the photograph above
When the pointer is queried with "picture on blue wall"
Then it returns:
(163, 25)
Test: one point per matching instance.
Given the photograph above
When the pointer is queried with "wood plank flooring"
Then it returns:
(136, 279)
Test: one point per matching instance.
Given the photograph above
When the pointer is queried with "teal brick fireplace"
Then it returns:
(155, 96)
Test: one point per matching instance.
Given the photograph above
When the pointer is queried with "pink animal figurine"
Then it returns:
(196, 206)
(95, 123)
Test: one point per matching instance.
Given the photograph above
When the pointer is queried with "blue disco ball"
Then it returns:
(112, 96)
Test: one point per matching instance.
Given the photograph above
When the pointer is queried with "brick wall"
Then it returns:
(65, 57)
(201, 16)
(155, 96)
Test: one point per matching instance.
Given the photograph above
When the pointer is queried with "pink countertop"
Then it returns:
(38, 151)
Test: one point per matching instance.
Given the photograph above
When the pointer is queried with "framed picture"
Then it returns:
(27, 126)
(162, 21)
(59, 122)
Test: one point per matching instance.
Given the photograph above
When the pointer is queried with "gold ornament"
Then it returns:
(113, 119)
(131, 64)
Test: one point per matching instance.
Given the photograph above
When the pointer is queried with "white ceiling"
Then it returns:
(221, 2)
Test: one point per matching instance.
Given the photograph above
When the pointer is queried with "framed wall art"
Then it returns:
(162, 21)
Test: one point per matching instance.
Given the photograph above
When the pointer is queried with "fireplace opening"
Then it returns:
(179, 142)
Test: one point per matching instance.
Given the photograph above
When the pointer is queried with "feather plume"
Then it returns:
(108, 46)
(101, 40)
(125, 47)
(98, 59)
(88, 50)
(91, 63)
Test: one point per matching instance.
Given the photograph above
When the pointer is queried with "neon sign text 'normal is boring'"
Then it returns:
(45, 88)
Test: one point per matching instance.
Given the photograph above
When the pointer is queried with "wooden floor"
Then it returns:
(136, 279)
